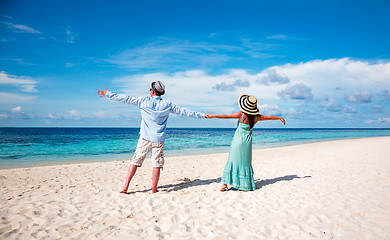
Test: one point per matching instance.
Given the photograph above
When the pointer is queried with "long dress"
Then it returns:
(238, 171)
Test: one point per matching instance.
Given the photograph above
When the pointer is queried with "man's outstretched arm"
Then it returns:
(119, 97)
(186, 112)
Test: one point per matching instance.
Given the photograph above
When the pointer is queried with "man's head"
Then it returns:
(158, 87)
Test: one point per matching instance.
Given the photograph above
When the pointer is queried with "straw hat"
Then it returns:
(248, 104)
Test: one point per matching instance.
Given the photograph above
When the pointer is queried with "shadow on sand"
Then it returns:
(263, 183)
(184, 183)
(187, 183)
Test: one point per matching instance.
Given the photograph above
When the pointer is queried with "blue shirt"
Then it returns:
(155, 112)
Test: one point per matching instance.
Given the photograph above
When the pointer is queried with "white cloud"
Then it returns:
(359, 97)
(213, 35)
(272, 77)
(378, 108)
(298, 91)
(25, 84)
(74, 113)
(349, 109)
(332, 106)
(170, 52)
(379, 121)
(3, 116)
(17, 113)
(278, 37)
(68, 65)
(299, 114)
(22, 28)
(71, 35)
(345, 73)
(196, 88)
(6, 98)
(256, 49)
(53, 116)
(174, 54)
(230, 87)
(100, 114)
(17, 109)
(269, 109)
(21, 62)
(385, 96)
(315, 81)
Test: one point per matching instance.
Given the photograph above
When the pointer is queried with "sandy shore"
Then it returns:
(326, 190)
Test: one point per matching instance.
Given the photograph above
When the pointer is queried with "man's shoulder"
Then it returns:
(165, 100)
(156, 100)
(145, 99)
(160, 99)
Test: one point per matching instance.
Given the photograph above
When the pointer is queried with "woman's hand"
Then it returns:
(210, 116)
(283, 121)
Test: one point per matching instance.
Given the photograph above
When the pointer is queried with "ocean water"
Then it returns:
(26, 147)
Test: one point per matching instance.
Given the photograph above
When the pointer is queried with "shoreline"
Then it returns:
(325, 190)
(102, 160)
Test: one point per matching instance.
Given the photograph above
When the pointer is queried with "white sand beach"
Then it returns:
(326, 190)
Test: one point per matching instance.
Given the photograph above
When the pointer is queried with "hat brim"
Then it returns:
(244, 108)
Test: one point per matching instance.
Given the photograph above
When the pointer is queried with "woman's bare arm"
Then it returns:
(228, 116)
(264, 118)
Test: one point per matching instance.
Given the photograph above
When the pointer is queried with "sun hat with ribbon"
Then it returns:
(248, 104)
(158, 87)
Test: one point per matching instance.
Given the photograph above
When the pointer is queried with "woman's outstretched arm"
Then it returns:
(264, 118)
(229, 116)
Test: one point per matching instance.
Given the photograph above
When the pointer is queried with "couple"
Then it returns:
(155, 111)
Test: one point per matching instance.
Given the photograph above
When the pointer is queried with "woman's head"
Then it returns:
(248, 104)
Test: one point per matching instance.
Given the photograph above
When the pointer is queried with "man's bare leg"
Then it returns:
(155, 178)
(130, 174)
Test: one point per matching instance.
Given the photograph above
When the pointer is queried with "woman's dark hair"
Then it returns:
(251, 119)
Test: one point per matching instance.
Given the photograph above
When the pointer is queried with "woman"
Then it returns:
(238, 170)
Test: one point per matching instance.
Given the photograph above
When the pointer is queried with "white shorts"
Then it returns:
(142, 150)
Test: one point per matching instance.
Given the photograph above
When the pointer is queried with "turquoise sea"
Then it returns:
(26, 147)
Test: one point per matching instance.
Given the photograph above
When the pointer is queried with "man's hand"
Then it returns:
(210, 116)
(102, 93)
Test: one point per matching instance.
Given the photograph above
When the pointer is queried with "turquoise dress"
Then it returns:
(238, 171)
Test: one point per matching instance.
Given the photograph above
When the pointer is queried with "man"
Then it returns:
(155, 112)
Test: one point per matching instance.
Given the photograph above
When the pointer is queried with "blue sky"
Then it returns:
(316, 63)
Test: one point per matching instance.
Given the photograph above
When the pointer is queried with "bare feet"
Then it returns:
(123, 191)
(223, 188)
